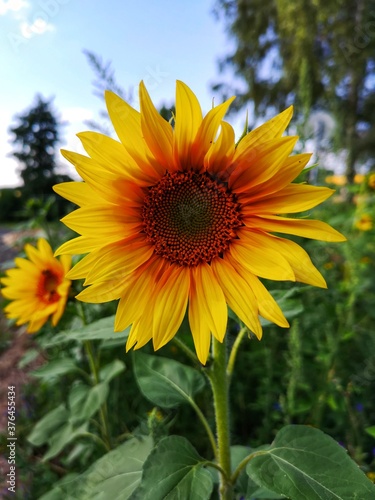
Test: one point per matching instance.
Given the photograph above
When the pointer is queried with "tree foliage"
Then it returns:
(35, 137)
(318, 53)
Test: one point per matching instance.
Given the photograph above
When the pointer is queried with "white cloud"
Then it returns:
(11, 5)
(38, 27)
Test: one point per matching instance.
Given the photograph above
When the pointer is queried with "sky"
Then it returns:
(41, 51)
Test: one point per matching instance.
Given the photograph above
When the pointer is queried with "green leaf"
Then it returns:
(371, 430)
(55, 368)
(245, 487)
(57, 493)
(95, 398)
(303, 463)
(48, 425)
(165, 382)
(102, 329)
(76, 400)
(114, 476)
(174, 470)
(65, 435)
(27, 358)
(108, 372)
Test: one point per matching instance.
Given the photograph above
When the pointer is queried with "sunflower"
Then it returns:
(364, 223)
(37, 287)
(180, 218)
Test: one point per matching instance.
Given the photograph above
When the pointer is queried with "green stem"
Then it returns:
(97, 439)
(220, 385)
(243, 463)
(234, 351)
(103, 413)
(191, 354)
(209, 432)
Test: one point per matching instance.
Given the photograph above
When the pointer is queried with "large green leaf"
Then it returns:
(56, 368)
(103, 329)
(174, 470)
(48, 425)
(303, 463)
(165, 382)
(108, 372)
(114, 476)
(65, 435)
(95, 398)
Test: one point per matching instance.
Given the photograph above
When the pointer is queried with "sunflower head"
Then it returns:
(37, 287)
(180, 219)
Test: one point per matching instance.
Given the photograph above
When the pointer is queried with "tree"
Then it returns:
(36, 135)
(316, 54)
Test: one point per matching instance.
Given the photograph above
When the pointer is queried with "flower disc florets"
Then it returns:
(190, 217)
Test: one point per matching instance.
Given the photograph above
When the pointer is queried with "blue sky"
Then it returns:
(158, 41)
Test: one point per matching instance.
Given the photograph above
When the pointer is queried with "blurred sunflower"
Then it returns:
(371, 181)
(364, 223)
(37, 287)
(177, 218)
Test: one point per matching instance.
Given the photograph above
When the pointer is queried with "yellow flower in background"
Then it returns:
(359, 178)
(365, 223)
(337, 180)
(37, 287)
(177, 219)
(371, 181)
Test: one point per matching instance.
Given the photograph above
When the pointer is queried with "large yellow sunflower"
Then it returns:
(177, 218)
(37, 287)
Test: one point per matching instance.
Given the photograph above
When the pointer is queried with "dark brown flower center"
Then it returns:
(190, 218)
(48, 283)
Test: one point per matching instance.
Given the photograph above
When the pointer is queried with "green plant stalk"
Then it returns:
(186, 350)
(207, 427)
(234, 351)
(220, 386)
(103, 413)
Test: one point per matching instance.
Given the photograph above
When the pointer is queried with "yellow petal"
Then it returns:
(102, 292)
(138, 294)
(268, 307)
(289, 170)
(113, 157)
(238, 294)
(304, 270)
(313, 229)
(198, 325)
(82, 268)
(254, 253)
(156, 130)
(270, 130)
(117, 260)
(105, 220)
(141, 331)
(291, 199)
(188, 120)
(79, 193)
(221, 152)
(212, 300)
(66, 262)
(260, 163)
(79, 245)
(170, 304)
(127, 124)
(207, 132)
